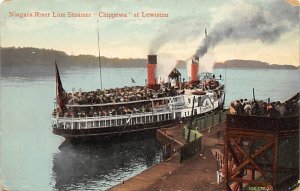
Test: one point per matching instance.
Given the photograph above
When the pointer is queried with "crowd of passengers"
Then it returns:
(117, 95)
(127, 94)
(274, 109)
(107, 110)
(120, 95)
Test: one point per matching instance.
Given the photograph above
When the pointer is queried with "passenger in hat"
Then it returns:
(272, 112)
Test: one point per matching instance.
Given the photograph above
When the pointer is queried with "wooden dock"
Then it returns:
(149, 177)
(196, 173)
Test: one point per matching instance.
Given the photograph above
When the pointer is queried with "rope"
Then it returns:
(138, 75)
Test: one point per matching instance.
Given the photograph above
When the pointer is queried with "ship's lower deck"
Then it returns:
(103, 134)
(113, 134)
(179, 108)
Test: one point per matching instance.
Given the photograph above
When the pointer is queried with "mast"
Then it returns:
(206, 41)
(99, 59)
(191, 121)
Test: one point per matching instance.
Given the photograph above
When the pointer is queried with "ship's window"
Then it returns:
(119, 121)
(107, 123)
(68, 125)
(113, 122)
(163, 117)
(133, 120)
(155, 118)
(143, 119)
(185, 114)
(178, 115)
(138, 120)
(147, 119)
(75, 125)
(102, 123)
(188, 113)
(82, 125)
(123, 121)
(189, 100)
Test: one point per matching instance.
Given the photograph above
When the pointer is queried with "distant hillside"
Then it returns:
(30, 62)
(39, 62)
(34, 56)
(252, 64)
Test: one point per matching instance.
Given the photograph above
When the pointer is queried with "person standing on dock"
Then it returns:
(272, 112)
(232, 109)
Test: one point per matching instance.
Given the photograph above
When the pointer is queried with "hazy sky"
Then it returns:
(266, 30)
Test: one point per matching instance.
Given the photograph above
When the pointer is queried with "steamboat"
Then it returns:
(103, 114)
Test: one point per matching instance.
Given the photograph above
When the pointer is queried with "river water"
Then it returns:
(29, 155)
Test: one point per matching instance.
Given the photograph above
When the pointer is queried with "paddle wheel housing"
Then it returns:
(261, 152)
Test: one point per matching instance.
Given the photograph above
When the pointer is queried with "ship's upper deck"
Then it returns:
(133, 94)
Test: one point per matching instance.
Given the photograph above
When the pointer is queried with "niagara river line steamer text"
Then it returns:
(102, 14)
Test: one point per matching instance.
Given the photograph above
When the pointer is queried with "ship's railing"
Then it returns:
(105, 117)
(122, 103)
(109, 121)
(107, 104)
(253, 122)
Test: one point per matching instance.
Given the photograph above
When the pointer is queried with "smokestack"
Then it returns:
(152, 62)
(194, 70)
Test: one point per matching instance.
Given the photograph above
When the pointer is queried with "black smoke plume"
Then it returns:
(265, 22)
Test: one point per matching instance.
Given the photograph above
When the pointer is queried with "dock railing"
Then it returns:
(263, 123)
(209, 120)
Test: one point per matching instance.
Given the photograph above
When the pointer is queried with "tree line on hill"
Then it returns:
(252, 64)
(40, 62)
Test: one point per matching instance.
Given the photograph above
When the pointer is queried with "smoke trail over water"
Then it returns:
(265, 22)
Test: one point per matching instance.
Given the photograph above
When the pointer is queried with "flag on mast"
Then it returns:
(60, 92)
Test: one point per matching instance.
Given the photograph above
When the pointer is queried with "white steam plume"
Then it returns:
(165, 64)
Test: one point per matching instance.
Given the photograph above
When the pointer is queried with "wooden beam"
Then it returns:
(251, 182)
(226, 182)
(251, 160)
(275, 162)
(247, 161)
(247, 134)
(235, 158)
